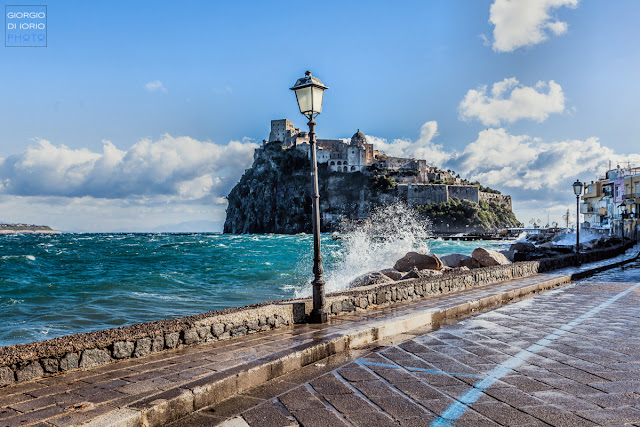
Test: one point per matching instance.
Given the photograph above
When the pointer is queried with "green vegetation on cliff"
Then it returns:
(460, 214)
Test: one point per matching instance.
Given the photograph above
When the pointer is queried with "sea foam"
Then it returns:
(392, 231)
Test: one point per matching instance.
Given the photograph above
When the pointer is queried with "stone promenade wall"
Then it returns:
(23, 362)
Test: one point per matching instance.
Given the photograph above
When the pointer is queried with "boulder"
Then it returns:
(123, 349)
(509, 254)
(414, 273)
(468, 263)
(536, 238)
(94, 357)
(29, 372)
(6, 376)
(392, 273)
(143, 347)
(419, 261)
(375, 278)
(69, 361)
(488, 258)
(523, 247)
(454, 260)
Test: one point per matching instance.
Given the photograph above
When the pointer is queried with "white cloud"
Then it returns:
(537, 174)
(155, 86)
(519, 23)
(510, 101)
(524, 163)
(422, 148)
(176, 168)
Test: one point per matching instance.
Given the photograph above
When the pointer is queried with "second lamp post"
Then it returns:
(577, 189)
(309, 93)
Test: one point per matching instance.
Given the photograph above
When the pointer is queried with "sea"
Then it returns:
(60, 284)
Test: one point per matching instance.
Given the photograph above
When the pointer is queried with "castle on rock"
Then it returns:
(353, 155)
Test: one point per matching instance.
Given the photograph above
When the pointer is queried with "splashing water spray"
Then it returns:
(391, 232)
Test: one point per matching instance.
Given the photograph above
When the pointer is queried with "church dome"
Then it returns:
(358, 138)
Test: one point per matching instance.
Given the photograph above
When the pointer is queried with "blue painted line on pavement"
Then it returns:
(414, 369)
(458, 408)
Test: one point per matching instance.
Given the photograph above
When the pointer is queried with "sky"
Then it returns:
(138, 116)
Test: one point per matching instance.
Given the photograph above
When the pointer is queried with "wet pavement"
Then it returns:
(568, 357)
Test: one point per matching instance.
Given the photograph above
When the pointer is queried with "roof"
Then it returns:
(358, 136)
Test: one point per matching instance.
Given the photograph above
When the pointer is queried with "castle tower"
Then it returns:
(282, 130)
(358, 139)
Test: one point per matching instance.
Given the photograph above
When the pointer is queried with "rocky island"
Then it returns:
(274, 195)
(26, 228)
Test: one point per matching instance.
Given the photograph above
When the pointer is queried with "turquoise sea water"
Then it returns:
(53, 285)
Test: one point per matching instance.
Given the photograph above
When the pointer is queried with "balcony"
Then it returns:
(587, 209)
(631, 196)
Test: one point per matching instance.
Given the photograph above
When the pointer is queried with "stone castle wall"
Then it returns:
(426, 194)
(464, 192)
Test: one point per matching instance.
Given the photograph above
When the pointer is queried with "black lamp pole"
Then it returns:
(577, 224)
(318, 315)
(310, 93)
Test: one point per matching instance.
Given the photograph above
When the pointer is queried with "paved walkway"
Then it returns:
(167, 386)
(569, 357)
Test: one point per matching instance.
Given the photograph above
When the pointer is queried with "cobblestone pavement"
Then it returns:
(569, 357)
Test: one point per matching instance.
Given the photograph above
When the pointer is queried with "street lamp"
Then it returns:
(623, 211)
(577, 189)
(309, 93)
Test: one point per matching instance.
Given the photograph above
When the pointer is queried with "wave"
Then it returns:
(152, 295)
(393, 230)
(27, 257)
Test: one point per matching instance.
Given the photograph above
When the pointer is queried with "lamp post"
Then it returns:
(309, 93)
(577, 189)
(623, 211)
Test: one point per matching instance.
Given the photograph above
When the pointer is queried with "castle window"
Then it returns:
(353, 168)
(339, 162)
(346, 163)
(345, 169)
(332, 163)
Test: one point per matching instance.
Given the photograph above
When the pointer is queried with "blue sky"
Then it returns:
(139, 114)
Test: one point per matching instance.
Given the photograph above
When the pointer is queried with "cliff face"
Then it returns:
(274, 196)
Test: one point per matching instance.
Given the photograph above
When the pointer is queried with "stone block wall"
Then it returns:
(425, 194)
(22, 362)
(464, 192)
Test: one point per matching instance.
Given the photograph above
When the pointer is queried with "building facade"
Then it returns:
(611, 205)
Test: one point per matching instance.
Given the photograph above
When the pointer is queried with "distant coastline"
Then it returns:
(26, 228)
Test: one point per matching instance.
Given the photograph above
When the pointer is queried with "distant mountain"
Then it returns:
(202, 226)
(26, 228)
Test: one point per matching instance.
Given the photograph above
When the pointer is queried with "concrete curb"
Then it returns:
(171, 405)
